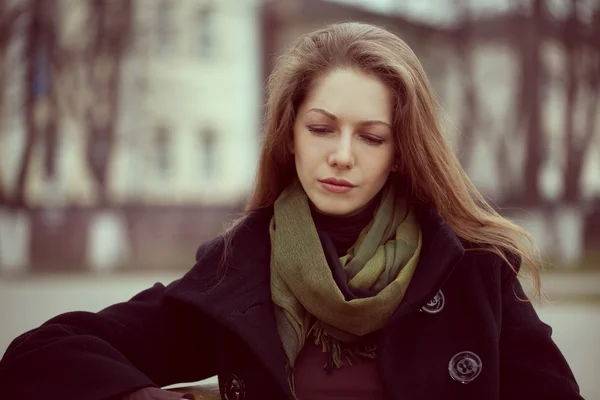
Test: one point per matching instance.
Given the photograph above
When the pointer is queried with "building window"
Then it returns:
(165, 28)
(208, 142)
(205, 29)
(162, 152)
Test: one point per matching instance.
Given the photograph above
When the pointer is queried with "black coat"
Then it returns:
(220, 322)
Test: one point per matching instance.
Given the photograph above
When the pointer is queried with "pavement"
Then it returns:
(561, 286)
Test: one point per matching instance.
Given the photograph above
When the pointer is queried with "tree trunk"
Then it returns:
(112, 24)
(3, 197)
(470, 109)
(577, 144)
(531, 87)
(99, 147)
(3, 126)
(32, 42)
(8, 19)
(50, 127)
(573, 153)
(572, 176)
(51, 140)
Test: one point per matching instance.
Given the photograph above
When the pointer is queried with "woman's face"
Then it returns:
(343, 141)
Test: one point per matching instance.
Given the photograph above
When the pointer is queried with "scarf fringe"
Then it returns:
(292, 382)
(338, 352)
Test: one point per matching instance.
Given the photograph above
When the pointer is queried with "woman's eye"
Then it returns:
(320, 130)
(372, 140)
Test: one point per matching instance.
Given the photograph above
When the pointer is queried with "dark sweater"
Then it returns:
(344, 230)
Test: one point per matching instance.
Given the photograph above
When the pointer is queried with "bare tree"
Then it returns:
(5, 34)
(9, 17)
(528, 38)
(40, 40)
(593, 75)
(111, 29)
(572, 46)
(470, 115)
(82, 81)
(582, 72)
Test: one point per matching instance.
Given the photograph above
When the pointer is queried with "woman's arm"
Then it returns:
(145, 342)
(531, 365)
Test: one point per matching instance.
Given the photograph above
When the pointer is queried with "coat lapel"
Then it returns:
(239, 296)
(441, 252)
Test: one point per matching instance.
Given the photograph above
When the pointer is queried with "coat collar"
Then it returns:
(239, 295)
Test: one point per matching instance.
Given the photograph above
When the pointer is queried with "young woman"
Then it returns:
(367, 265)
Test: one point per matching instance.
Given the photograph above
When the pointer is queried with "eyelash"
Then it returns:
(319, 130)
(322, 131)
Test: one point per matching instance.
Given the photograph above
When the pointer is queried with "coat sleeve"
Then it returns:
(144, 342)
(151, 393)
(531, 365)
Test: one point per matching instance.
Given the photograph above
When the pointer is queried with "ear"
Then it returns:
(396, 165)
(290, 147)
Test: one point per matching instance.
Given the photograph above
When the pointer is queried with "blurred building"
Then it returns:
(191, 103)
(189, 110)
(185, 144)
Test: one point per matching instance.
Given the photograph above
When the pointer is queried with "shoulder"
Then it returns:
(247, 241)
(483, 261)
(227, 264)
(483, 252)
(479, 280)
(248, 230)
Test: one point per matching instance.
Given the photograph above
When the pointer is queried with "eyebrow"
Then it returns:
(334, 118)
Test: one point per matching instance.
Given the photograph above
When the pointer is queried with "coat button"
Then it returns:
(465, 366)
(436, 304)
(234, 389)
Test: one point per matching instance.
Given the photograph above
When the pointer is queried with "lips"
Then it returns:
(337, 182)
(338, 186)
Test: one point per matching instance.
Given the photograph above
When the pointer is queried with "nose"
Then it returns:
(342, 155)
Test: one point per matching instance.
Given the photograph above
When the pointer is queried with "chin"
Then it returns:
(330, 208)
(337, 212)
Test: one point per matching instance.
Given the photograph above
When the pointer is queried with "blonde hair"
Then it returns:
(429, 168)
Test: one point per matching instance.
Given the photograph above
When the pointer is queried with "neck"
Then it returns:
(345, 229)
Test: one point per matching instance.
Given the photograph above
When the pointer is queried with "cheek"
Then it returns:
(380, 165)
(305, 149)
(302, 158)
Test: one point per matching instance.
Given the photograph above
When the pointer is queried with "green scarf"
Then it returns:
(308, 300)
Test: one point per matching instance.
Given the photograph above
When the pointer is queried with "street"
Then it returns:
(27, 302)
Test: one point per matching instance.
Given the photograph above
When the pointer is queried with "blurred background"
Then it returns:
(130, 130)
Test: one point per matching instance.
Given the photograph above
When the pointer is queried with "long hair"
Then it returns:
(429, 170)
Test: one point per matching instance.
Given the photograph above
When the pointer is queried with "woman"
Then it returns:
(367, 265)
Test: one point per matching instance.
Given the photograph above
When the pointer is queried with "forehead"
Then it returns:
(351, 94)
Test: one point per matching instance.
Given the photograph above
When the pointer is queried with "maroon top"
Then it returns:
(360, 381)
